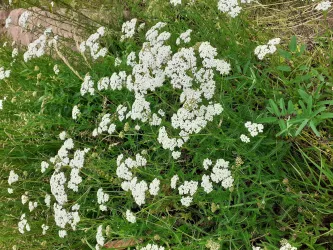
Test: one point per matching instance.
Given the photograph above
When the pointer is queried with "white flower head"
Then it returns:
(323, 6)
(175, 2)
(56, 69)
(24, 18)
(154, 187)
(130, 216)
(244, 138)
(128, 29)
(13, 177)
(75, 112)
(45, 228)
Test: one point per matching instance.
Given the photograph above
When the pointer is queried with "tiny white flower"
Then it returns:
(176, 154)
(56, 69)
(13, 177)
(75, 112)
(62, 233)
(244, 138)
(62, 135)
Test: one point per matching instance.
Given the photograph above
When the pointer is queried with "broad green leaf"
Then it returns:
(328, 102)
(284, 68)
(283, 107)
(325, 116)
(321, 109)
(274, 107)
(314, 129)
(284, 54)
(290, 107)
(300, 128)
(316, 95)
(293, 44)
(303, 107)
(303, 67)
(304, 95)
(282, 125)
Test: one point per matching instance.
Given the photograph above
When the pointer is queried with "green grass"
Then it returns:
(282, 189)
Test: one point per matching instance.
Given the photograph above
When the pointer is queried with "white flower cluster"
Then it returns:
(131, 183)
(23, 224)
(93, 45)
(104, 126)
(323, 6)
(62, 135)
(221, 174)
(116, 81)
(207, 163)
(38, 47)
(154, 187)
(175, 2)
(176, 154)
(262, 50)
(35, 49)
(174, 180)
(45, 228)
(47, 200)
(87, 86)
(63, 217)
(254, 128)
(152, 247)
(62, 233)
(4, 73)
(128, 29)
(130, 216)
(43, 166)
(206, 184)
(76, 164)
(121, 109)
(231, 7)
(99, 237)
(14, 52)
(155, 120)
(184, 37)
(101, 199)
(32, 205)
(24, 19)
(244, 138)
(24, 198)
(75, 112)
(58, 182)
(13, 177)
(285, 245)
(187, 190)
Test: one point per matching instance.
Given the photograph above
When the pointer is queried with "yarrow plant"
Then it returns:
(191, 71)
